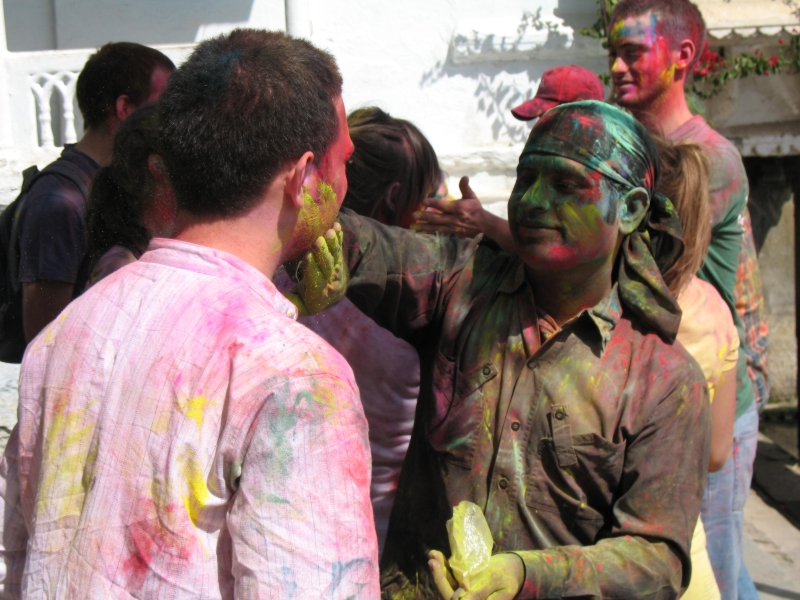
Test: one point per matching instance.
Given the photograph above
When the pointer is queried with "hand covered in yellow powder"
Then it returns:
(325, 273)
(501, 580)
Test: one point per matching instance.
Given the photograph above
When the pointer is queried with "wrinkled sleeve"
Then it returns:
(301, 522)
(401, 278)
(645, 553)
(52, 236)
(749, 299)
(14, 536)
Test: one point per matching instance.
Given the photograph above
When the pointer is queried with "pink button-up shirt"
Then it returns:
(181, 436)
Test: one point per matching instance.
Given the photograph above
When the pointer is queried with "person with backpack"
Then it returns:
(45, 228)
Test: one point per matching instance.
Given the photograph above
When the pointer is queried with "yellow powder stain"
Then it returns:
(667, 75)
(311, 214)
(327, 397)
(67, 454)
(194, 408)
(197, 494)
(326, 193)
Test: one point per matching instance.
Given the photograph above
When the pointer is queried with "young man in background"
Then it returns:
(652, 47)
(116, 79)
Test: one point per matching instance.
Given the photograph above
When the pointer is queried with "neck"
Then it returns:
(667, 113)
(563, 295)
(253, 236)
(98, 144)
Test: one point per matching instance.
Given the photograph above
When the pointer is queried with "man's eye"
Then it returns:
(632, 56)
(566, 185)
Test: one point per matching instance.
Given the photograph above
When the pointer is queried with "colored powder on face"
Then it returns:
(326, 193)
(310, 211)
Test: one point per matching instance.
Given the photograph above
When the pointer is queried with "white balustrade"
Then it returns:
(40, 93)
(42, 85)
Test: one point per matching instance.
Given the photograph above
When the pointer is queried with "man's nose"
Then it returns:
(537, 196)
(618, 65)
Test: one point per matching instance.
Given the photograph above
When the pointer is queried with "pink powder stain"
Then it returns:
(148, 541)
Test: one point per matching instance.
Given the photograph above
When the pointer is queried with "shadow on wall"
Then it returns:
(498, 89)
(507, 63)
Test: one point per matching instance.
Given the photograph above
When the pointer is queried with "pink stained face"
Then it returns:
(562, 214)
(325, 184)
(158, 82)
(332, 168)
(640, 60)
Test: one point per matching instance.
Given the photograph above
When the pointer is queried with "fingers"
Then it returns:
(322, 254)
(445, 206)
(433, 218)
(441, 577)
(466, 191)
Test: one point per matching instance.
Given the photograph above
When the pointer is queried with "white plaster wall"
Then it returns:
(396, 55)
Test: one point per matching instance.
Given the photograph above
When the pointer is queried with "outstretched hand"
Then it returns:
(501, 580)
(465, 217)
(325, 273)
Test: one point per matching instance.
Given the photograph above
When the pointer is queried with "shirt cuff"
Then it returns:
(545, 574)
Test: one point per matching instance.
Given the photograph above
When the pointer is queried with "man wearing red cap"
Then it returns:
(559, 86)
(468, 218)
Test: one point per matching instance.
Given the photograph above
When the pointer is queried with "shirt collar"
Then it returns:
(208, 261)
(605, 314)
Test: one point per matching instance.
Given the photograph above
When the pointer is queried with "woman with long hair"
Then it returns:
(130, 201)
(706, 330)
(393, 169)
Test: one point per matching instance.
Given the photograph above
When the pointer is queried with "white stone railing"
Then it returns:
(41, 113)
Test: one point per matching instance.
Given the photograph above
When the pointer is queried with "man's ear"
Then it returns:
(123, 107)
(633, 207)
(295, 185)
(156, 166)
(685, 55)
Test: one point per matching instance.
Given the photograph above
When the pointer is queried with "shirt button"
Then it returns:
(560, 415)
(503, 484)
(515, 426)
(487, 370)
(532, 364)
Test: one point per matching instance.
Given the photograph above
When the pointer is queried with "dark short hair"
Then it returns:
(388, 151)
(678, 20)
(238, 110)
(117, 69)
(119, 191)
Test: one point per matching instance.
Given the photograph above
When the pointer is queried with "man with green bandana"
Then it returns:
(552, 394)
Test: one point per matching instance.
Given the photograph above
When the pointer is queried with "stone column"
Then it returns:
(298, 18)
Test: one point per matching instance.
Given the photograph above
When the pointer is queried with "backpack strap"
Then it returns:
(67, 169)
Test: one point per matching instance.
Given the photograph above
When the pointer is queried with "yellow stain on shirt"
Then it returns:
(194, 408)
(197, 494)
(66, 457)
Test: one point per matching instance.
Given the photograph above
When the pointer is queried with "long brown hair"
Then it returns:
(685, 181)
(388, 151)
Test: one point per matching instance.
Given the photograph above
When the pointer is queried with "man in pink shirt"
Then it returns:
(180, 435)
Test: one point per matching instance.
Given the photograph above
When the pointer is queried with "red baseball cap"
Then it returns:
(558, 86)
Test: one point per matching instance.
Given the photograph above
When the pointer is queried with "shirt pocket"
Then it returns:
(459, 410)
(582, 489)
